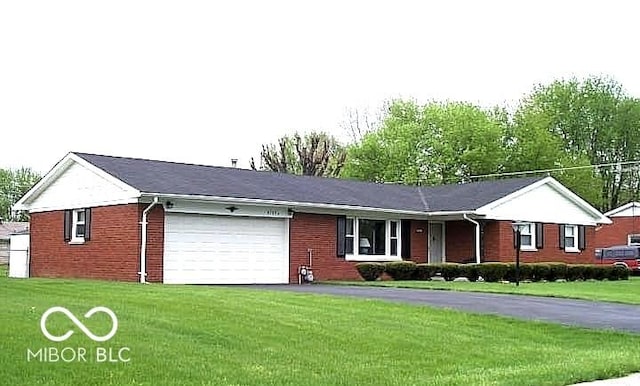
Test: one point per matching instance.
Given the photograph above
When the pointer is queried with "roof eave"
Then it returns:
(310, 205)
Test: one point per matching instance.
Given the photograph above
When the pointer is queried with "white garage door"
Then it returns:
(208, 249)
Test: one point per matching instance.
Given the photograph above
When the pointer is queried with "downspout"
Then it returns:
(143, 243)
(477, 238)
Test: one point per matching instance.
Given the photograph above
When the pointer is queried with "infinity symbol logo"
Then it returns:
(90, 313)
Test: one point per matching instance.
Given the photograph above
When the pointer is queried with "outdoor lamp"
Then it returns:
(517, 228)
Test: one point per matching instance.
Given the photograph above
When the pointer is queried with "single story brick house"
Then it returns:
(624, 229)
(97, 216)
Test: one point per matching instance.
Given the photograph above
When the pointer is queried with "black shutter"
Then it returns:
(561, 236)
(405, 235)
(68, 221)
(341, 236)
(581, 238)
(539, 235)
(87, 224)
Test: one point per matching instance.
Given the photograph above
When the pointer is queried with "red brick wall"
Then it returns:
(113, 253)
(459, 241)
(419, 240)
(319, 233)
(155, 242)
(616, 234)
(499, 245)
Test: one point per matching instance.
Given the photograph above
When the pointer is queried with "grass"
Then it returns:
(237, 336)
(622, 291)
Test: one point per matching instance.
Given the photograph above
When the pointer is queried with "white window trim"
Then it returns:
(356, 256)
(353, 232)
(629, 236)
(74, 226)
(575, 239)
(532, 247)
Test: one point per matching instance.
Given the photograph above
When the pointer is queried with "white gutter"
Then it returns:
(308, 205)
(477, 238)
(143, 243)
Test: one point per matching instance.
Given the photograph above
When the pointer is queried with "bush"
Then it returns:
(557, 271)
(540, 271)
(525, 272)
(424, 271)
(577, 272)
(589, 271)
(623, 273)
(448, 270)
(470, 271)
(493, 272)
(618, 272)
(400, 270)
(370, 271)
(599, 272)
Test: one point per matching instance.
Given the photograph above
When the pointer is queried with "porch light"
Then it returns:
(518, 226)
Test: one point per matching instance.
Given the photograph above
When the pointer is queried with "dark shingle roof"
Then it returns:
(198, 180)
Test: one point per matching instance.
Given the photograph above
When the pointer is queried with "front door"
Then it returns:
(436, 242)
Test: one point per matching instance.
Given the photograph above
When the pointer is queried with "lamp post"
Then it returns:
(517, 228)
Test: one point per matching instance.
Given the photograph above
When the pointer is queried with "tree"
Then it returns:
(432, 144)
(13, 185)
(596, 121)
(315, 154)
(360, 121)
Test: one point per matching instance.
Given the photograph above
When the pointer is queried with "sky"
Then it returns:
(206, 81)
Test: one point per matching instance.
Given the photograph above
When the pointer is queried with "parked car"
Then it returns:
(623, 255)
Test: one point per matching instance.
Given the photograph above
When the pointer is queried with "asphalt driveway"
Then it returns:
(565, 311)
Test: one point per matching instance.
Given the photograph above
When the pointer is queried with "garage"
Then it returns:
(213, 249)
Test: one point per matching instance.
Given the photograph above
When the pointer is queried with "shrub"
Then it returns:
(557, 271)
(400, 270)
(540, 271)
(449, 270)
(424, 271)
(470, 271)
(493, 271)
(577, 272)
(599, 272)
(623, 273)
(370, 271)
(589, 271)
(525, 272)
(618, 272)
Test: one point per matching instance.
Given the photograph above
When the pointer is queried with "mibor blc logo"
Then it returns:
(79, 354)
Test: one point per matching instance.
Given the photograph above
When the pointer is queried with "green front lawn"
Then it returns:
(622, 291)
(240, 336)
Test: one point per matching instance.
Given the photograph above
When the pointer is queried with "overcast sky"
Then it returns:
(207, 81)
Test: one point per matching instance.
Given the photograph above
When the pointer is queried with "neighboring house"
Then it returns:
(6, 230)
(625, 227)
(131, 219)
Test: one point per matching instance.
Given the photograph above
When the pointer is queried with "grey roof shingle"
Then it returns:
(163, 177)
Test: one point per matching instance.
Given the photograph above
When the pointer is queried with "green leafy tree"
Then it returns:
(432, 144)
(315, 154)
(13, 185)
(597, 123)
